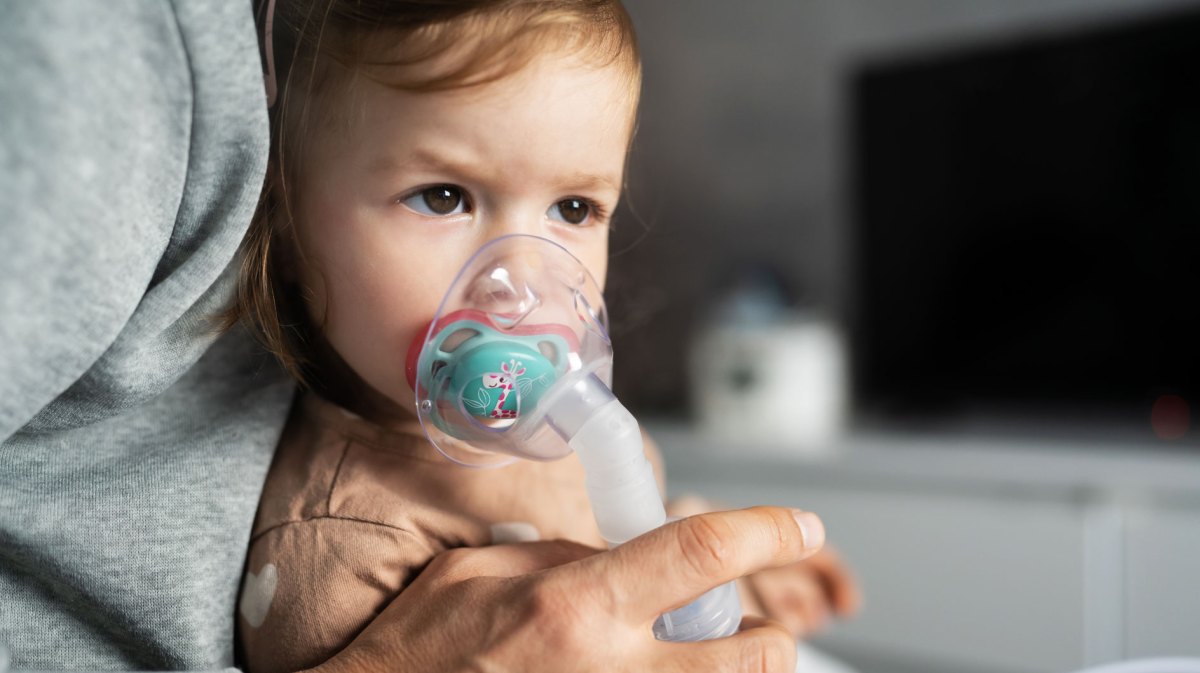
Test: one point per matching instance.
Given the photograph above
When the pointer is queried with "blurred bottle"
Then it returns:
(768, 374)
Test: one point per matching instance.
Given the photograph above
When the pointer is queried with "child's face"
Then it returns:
(395, 198)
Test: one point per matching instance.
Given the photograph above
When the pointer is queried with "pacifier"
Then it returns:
(521, 315)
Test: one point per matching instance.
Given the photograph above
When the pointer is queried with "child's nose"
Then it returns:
(506, 285)
(517, 219)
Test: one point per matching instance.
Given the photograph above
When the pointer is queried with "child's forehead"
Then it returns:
(561, 95)
(554, 120)
(481, 61)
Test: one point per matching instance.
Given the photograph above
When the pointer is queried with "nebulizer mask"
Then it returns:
(517, 364)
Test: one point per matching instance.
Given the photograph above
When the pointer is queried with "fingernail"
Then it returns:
(811, 528)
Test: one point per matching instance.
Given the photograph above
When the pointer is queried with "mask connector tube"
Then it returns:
(620, 481)
(624, 494)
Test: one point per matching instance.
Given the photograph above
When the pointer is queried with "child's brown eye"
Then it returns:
(571, 211)
(439, 200)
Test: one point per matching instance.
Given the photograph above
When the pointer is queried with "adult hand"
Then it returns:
(803, 596)
(560, 606)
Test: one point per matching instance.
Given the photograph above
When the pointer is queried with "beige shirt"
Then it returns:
(352, 512)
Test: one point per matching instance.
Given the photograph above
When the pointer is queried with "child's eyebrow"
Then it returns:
(385, 163)
(436, 162)
(590, 181)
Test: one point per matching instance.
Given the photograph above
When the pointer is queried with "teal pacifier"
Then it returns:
(490, 376)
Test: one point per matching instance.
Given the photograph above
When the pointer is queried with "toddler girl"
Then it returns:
(405, 136)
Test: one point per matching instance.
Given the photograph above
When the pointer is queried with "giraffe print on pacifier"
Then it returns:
(500, 378)
(503, 379)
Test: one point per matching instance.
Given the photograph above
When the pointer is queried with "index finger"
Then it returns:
(672, 565)
(507, 560)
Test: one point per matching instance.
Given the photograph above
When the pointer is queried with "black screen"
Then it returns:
(1028, 228)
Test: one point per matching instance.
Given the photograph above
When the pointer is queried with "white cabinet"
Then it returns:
(1162, 592)
(985, 569)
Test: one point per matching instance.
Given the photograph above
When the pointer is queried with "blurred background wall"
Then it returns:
(741, 155)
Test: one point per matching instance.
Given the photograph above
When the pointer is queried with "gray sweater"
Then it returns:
(133, 440)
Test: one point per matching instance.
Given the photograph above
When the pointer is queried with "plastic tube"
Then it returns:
(624, 494)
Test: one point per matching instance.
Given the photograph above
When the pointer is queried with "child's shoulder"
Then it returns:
(333, 464)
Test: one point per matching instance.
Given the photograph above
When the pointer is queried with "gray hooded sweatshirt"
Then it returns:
(134, 439)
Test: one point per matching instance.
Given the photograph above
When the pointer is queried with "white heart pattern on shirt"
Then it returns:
(508, 532)
(258, 594)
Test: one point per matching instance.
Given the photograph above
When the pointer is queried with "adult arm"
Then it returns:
(560, 606)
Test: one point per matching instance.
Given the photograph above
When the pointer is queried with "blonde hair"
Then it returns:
(420, 46)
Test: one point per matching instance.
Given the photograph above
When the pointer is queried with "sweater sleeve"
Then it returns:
(132, 153)
(133, 441)
(93, 157)
(312, 586)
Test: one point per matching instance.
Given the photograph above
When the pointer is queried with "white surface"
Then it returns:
(984, 556)
(1163, 583)
(1150, 666)
(952, 579)
(1052, 468)
(811, 660)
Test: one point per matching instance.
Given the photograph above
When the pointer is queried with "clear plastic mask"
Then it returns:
(522, 315)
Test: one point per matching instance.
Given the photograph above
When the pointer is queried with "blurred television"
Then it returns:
(1027, 234)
